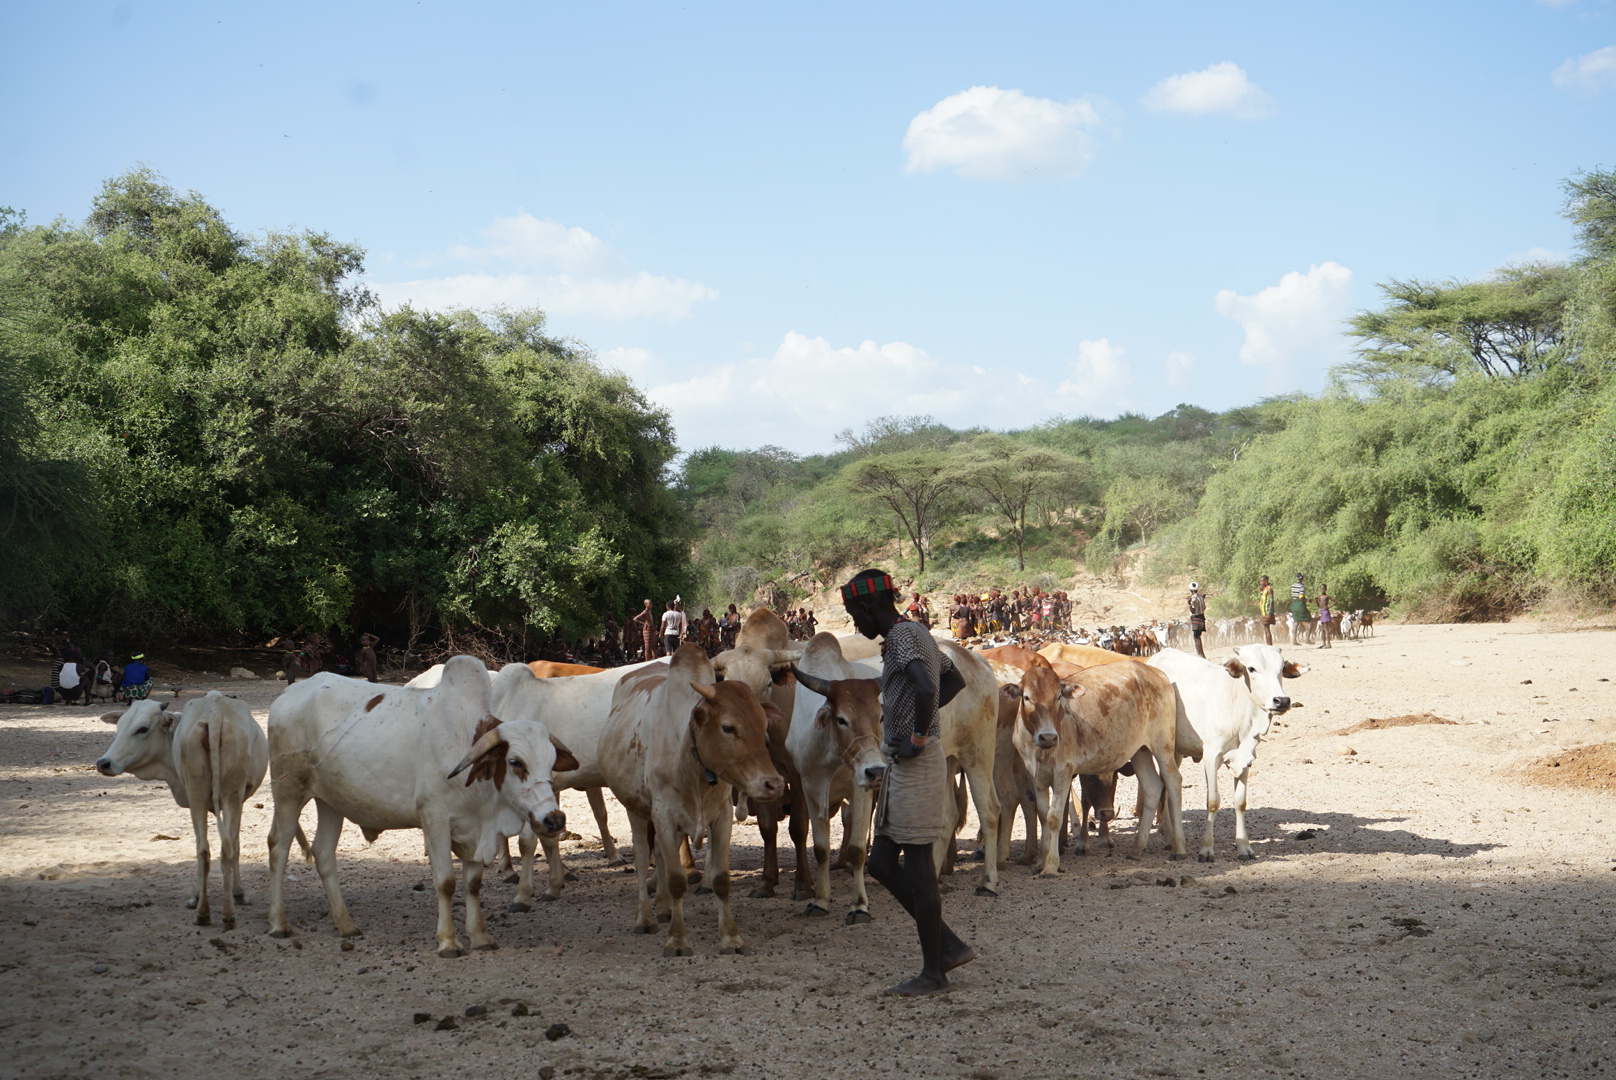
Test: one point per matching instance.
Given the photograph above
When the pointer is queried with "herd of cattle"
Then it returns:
(690, 746)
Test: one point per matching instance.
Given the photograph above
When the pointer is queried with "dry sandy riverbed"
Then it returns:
(1306, 962)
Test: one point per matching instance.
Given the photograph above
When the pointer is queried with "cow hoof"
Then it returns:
(517, 908)
(355, 932)
(1247, 856)
(678, 950)
(645, 929)
(814, 911)
(451, 954)
(191, 903)
(978, 855)
(735, 950)
(512, 878)
(762, 892)
(489, 946)
(549, 899)
(570, 875)
(204, 920)
(280, 935)
(701, 890)
(664, 917)
(856, 917)
(1205, 856)
(240, 898)
(1176, 857)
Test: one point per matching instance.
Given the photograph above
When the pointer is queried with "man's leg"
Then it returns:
(1198, 650)
(914, 885)
(1267, 634)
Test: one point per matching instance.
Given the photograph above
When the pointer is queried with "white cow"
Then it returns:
(1230, 706)
(213, 755)
(388, 758)
(835, 745)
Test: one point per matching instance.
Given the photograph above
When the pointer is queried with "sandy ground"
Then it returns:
(1449, 917)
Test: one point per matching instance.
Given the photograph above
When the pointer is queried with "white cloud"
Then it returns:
(1221, 88)
(1533, 255)
(809, 389)
(1588, 73)
(1298, 319)
(565, 270)
(986, 133)
(1178, 367)
(1099, 374)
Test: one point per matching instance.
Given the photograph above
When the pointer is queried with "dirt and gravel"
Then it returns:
(1420, 905)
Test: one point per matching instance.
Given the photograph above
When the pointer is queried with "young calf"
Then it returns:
(213, 755)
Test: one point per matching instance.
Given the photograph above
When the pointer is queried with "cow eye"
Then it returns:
(519, 768)
(1252, 670)
(142, 729)
(842, 720)
(729, 729)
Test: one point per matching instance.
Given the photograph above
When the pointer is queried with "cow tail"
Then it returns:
(216, 763)
(1189, 742)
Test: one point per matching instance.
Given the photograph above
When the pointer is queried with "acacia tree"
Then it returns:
(1011, 477)
(913, 485)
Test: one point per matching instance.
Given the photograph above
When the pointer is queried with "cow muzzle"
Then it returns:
(107, 767)
(872, 775)
(550, 824)
(1105, 813)
(766, 788)
(1047, 740)
(1281, 704)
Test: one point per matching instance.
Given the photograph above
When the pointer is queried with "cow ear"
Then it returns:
(564, 762)
(1235, 667)
(169, 720)
(822, 718)
(1293, 670)
(111, 717)
(1071, 690)
(771, 713)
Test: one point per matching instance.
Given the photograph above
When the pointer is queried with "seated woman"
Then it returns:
(137, 681)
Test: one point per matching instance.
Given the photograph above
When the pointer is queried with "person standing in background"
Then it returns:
(1197, 617)
(647, 624)
(673, 627)
(1325, 616)
(366, 667)
(1265, 609)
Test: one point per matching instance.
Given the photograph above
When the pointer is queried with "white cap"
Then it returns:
(1195, 586)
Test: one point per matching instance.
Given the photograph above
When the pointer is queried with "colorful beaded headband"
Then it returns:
(866, 587)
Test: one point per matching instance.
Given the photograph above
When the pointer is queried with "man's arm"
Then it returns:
(925, 697)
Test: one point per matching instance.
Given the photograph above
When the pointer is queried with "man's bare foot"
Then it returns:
(919, 986)
(958, 957)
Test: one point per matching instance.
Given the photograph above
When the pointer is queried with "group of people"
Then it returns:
(74, 681)
(1023, 610)
(1267, 613)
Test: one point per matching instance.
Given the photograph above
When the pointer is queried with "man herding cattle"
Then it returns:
(913, 812)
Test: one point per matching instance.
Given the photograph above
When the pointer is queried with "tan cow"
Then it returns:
(1095, 722)
(762, 659)
(1084, 656)
(676, 743)
(835, 746)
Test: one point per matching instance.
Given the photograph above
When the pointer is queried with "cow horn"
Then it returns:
(783, 656)
(491, 738)
(704, 690)
(812, 682)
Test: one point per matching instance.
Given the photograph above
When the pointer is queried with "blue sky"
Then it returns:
(787, 219)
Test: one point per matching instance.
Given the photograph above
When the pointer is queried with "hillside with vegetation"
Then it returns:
(1462, 467)
(206, 433)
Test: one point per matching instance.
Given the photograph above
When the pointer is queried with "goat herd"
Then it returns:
(690, 746)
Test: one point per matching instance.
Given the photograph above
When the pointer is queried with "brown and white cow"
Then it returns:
(1095, 722)
(1083, 656)
(389, 758)
(676, 743)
